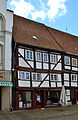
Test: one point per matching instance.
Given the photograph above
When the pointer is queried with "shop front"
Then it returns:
(36, 99)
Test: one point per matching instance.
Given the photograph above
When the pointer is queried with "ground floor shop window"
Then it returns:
(52, 98)
(24, 99)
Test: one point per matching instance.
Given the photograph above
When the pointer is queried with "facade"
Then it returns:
(43, 61)
(6, 23)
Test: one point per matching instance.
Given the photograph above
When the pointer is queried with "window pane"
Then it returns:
(31, 55)
(53, 58)
(22, 75)
(38, 76)
(27, 75)
(34, 76)
(67, 60)
(25, 99)
(45, 57)
(27, 54)
(74, 62)
(38, 56)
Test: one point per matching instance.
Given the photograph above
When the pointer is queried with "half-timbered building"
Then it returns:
(44, 59)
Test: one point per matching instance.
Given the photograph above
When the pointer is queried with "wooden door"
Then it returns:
(38, 100)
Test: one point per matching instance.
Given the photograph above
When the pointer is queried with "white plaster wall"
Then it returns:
(67, 67)
(21, 51)
(44, 75)
(59, 77)
(74, 68)
(67, 92)
(31, 63)
(52, 65)
(45, 84)
(66, 83)
(8, 56)
(74, 84)
(53, 84)
(38, 65)
(23, 63)
(59, 84)
(68, 98)
(45, 66)
(58, 67)
(35, 84)
(66, 76)
(23, 83)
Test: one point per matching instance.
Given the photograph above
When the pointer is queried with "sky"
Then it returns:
(58, 14)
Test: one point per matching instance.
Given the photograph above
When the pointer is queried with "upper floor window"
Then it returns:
(25, 75)
(45, 57)
(67, 60)
(36, 76)
(38, 56)
(53, 58)
(29, 54)
(74, 77)
(53, 77)
(74, 62)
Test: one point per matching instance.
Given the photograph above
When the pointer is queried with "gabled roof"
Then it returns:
(24, 29)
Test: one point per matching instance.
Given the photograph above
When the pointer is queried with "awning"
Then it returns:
(6, 83)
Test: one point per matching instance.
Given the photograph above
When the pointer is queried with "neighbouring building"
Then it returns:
(6, 23)
(44, 59)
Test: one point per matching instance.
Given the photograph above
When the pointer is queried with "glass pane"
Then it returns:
(25, 99)
(27, 54)
(27, 75)
(30, 54)
(38, 99)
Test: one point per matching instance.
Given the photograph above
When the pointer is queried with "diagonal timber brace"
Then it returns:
(48, 73)
(25, 60)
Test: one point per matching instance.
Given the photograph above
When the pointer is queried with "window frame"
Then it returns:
(29, 54)
(75, 76)
(38, 56)
(65, 57)
(29, 75)
(54, 77)
(44, 60)
(54, 61)
(76, 62)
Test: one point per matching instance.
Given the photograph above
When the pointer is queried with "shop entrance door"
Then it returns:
(38, 100)
(73, 97)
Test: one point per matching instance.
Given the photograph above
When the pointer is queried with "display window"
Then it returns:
(25, 99)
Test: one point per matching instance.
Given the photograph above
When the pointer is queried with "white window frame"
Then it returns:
(38, 57)
(75, 76)
(72, 61)
(66, 57)
(54, 58)
(36, 76)
(54, 77)
(45, 54)
(29, 54)
(39, 76)
(26, 76)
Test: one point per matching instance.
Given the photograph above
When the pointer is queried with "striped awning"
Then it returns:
(6, 83)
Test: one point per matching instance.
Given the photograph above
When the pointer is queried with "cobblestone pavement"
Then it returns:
(57, 113)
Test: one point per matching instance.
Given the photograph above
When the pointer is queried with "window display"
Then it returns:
(24, 99)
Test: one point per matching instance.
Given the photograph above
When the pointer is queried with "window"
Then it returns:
(34, 76)
(27, 75)
(74, 62)
(45, 57)
(29, 55)
(24, 99)
(38, 76)
(22, 75)
(38, 56)
(53, 58)
(74, 77)
(53, 77)
(67, 60)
